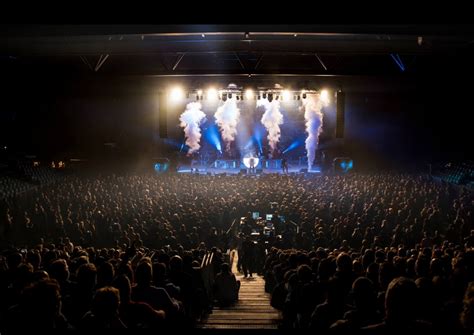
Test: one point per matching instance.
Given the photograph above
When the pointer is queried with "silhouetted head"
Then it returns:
(401, 300)
(106, 302)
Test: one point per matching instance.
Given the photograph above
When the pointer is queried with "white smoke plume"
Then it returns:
(314, 125)
(227, 116)
(272, 119)
(190, 121)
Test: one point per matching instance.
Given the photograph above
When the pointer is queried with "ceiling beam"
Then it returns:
(321, 62)
(180, 57)
(100, 62)
(130, 29)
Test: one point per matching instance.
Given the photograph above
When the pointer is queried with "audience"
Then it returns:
(384, 253)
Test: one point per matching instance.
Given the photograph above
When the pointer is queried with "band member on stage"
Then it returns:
(284, 165)
(252, 165)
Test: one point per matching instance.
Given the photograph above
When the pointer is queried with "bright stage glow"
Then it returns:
(212, 94)
(325, 96)
(286, 95)
(199, 92)
(246, 161)
(176, 94)
(248, 94)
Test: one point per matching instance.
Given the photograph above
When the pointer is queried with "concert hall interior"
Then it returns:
(237, 177)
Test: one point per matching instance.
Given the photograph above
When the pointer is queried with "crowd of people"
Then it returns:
(355, 252)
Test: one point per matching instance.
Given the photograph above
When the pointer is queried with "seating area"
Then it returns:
(457, 173)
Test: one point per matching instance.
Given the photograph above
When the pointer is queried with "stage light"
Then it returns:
(264, 95)
(176, 94)
(324, 96)
(286, 95)
(237, 97)
(224, 96)
(199, 92)
(229, 95)
(248, 94)
(246, 162)
(202, 35)
(270, 97)
(304, 95)
(212, 94)
(258, 97)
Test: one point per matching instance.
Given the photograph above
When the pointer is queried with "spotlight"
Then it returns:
(304, 95)
(264, 95)
(276, 98)
(237, 97)
(324, 96)
(176, 94)
(212, 94)
(199, 92)
(202, 35)
(224, 96)
(258, 97)
(248, 94)
(247, 35)
(286, 95)
(270, 97)
(230, 95)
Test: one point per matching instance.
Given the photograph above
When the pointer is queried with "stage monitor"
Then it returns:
(255, 215)
(269, 217)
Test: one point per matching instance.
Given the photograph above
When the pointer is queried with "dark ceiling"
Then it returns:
(196, 51)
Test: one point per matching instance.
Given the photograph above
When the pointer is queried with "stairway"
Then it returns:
(252, 311)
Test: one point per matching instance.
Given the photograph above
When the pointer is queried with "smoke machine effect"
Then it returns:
(314, 124)
(227, 116)
(190, 121)
(272, 119)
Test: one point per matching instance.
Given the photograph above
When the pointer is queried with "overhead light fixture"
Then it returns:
(325, 96)
(304, 95)
(176, 94)
(264, 95)
(230, 95)
(248, 94)
(212, 94)
(270, 97)
(247, 35)
(202, 35)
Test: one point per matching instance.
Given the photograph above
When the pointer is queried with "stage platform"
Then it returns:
(214, 171)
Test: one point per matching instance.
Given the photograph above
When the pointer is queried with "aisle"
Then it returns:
(252, 311)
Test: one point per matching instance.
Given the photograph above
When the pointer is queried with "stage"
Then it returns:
(215, 171)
